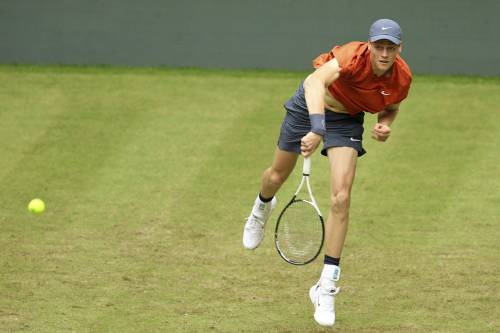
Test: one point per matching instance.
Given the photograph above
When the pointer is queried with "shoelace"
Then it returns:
(334, 291)
(255, 223)
(327, 302)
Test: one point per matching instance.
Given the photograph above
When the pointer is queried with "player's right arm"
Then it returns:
(315, 86)
(317, 83)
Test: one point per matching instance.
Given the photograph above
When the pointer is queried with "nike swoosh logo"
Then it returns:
(385, 28)
(355, 140)
(385, 93)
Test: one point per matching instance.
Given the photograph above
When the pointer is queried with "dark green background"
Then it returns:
(441, 37)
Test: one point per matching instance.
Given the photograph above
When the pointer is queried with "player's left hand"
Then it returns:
(309, 143)
(381, 132)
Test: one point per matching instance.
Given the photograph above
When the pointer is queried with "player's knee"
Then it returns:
(340, 201)
(276, 178)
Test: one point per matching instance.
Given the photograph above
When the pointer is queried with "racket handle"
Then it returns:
(306, 168)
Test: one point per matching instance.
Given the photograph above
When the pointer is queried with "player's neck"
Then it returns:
(380, 73)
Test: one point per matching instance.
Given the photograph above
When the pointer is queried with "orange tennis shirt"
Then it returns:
(357, 87)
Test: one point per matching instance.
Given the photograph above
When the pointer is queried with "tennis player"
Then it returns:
(329, 106)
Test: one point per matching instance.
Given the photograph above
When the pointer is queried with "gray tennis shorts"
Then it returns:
(342, 130)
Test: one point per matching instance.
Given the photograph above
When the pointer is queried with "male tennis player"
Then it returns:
(329, 105)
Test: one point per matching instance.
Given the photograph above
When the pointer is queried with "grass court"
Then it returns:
(148, 175)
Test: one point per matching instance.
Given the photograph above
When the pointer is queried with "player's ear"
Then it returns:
(401, 47)
(369, 46)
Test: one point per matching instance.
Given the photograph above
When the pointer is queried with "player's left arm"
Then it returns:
(382, 129)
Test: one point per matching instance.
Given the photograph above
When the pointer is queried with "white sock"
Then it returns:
(259, 207)
(331, 272)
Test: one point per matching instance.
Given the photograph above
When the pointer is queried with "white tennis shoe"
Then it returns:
(253, 233)
(322, 295)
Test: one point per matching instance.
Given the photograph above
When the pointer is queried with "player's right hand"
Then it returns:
(309, 143)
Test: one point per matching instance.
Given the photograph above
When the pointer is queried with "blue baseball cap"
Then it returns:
(385, 29)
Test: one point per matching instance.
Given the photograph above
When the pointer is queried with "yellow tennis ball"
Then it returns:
(36, 206)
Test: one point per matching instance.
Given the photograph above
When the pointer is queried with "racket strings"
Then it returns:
(300, 233)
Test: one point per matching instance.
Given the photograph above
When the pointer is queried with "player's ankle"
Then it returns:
(265, 199)
(331, 260)
(330, 272)
(262, 209)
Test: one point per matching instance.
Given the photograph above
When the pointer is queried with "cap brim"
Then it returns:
(393, 39)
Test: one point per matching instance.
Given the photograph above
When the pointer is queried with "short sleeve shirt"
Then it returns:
(358, 88)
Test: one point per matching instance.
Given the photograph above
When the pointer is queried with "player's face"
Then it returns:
(383, 53)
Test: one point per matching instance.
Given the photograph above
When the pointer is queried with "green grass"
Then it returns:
(148, 174)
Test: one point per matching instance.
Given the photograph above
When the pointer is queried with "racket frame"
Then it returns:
(306, 171)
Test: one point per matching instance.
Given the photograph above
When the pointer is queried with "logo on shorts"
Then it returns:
(383, 92)
(355, 140)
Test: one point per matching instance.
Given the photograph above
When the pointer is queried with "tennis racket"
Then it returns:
(300, 231)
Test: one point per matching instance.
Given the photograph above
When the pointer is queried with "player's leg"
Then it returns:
(342, 170)
(294, 126)
(272, 179)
